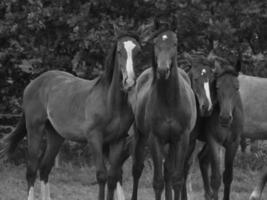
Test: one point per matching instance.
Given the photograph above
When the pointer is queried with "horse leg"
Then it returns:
(215, 168)
(116, 159)
(256, 194)
(178, 153)
(204, 163)
(158, 181)
(138, 160)
(35, 134)
(96, 141)
(53, 144)
(167, 179)
(228, 172)
(188, 162)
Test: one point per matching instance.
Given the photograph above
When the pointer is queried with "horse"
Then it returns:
(201, 75)
(223, 128)
(255, 125)
(165, 114)
(61, 107)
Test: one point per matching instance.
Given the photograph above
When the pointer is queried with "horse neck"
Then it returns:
(116, 98)
(168, 91)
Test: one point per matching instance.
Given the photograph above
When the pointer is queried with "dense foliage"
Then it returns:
(38, 35)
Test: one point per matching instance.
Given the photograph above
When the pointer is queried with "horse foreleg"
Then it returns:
(204, 163)
(215, 168)
(178, 153)
(190, 158)
(257, 192)
(116, 159)
(138, 160)
(158, 181)
(167, 179)
(230, 153)
(96, 141)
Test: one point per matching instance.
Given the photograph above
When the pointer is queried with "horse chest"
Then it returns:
(117, 127)
(167, 129)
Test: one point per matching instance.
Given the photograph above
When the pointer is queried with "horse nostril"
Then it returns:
(163, 73)
(204, 107)
(225, 119)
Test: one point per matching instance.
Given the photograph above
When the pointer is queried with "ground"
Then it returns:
(71, 183)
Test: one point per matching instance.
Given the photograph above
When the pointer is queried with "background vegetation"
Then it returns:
(74, 36)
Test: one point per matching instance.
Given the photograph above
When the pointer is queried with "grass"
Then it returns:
(72, 183)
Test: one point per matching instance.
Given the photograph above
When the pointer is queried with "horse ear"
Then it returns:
(238, 64)
(116, 30)
(217, 67)
(188, 57)
(211, 57)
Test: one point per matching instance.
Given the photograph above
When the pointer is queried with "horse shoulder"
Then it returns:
(143, 87)
(184, 75)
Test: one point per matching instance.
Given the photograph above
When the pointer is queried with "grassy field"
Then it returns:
(71, 183)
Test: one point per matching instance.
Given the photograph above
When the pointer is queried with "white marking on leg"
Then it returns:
(255, 195)
(31, 194)
(164, 37)
(45, 191)
(129, 46)
(120, 193)
(48, 191)
(207, 91)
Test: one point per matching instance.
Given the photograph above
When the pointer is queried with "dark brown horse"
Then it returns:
(201, 76)
(223, 128)
(61, 106)
(165, 113)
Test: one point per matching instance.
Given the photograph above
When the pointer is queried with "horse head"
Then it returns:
(127, 51)
(201, 76)
(165, 54)
(227, 89)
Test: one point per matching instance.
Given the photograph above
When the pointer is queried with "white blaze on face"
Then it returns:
(120, 193)
(207, 89)
(203, 72)
(31, 194)
(129, 46)
(164, 37)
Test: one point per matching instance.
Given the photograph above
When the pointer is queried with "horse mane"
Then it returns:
(111, 56)
(227, 71)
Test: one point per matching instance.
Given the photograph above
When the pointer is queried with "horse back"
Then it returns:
(254, 99)
(59, 97)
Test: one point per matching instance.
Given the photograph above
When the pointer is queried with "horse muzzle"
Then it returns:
(205, 110)
(128, 84)
(163, 73)
(225, 120)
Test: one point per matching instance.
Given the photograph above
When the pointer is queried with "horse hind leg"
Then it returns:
(53, 144)
(34, 137)
(228, 173)
(257, 192)
(204, 163)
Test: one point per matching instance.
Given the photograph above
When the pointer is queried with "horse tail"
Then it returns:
(10, 142)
